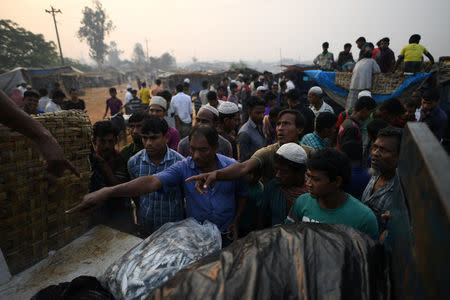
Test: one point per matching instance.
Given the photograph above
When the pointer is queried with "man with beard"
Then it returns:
(382, 186)
(251, 136)
(328, 172)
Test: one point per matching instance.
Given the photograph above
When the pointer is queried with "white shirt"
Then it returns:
(22, 89)
(43, 101)
(52, 107)
(202, 96)
(128, 97)
(290, 85)
(362, 74)
(182, 106)
(324, 108)
(169, 118)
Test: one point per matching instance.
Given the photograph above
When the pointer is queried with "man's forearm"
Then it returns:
(237, 170)
(136, 187)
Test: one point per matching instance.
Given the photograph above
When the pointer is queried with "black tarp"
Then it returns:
(295, 261)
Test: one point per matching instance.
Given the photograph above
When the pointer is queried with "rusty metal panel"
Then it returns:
(420, 226)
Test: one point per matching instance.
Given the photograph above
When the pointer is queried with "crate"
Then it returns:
(32, 202)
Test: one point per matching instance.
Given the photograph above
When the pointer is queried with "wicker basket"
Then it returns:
(381, 83)
(32, 203)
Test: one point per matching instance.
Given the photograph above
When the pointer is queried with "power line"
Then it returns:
(53, 12)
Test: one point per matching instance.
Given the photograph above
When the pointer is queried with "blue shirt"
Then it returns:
(218, 205)
(250, 139)
(359, 180)
(157, 208)
(314, 140)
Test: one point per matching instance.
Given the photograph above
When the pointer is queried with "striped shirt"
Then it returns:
(157, 208)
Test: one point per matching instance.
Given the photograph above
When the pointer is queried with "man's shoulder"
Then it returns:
(174, 155)
(134, 159)
(358, 207)
(225, 160)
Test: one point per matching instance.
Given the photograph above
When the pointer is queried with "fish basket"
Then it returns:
(381, 83)
(343, 79)
(32, 201)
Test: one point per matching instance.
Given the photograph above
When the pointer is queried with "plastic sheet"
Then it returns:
(295, 261)
(160, 256)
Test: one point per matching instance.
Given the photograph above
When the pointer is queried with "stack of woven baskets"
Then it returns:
(381, 83)
(32, 202)
(444, 70)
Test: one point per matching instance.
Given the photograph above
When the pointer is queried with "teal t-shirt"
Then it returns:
(273, 203)
(352, 213)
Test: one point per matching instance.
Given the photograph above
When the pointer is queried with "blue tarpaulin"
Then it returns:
(326, 79)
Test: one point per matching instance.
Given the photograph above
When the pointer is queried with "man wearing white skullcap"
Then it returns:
(316, 104)
(289, 183)
(260, 91)
(228, 123)
(128, 95)
(364, 93)
(158, 107)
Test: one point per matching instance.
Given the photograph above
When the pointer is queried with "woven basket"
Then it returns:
(32, 203)
(381, 83)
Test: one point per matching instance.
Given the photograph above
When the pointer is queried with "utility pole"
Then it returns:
(53, 12)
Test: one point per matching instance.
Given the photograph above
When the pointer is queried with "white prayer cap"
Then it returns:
(241, 75)
(233, 81)
(293, 152)
(28, 86)
(228, 108)
(365, 93)
(22, 81)
(316, 90)
(186, 80)
(261, 88)
(129, 87)
(158, 100)
(210, 108)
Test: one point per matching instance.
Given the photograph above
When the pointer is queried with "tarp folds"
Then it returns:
(295, 261)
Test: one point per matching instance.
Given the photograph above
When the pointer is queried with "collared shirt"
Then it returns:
(43, 101)
(218, 205)
(224, 147)
(325, 61)
(182, 107)
(324, 108)
(362, 74)
(251, 139)
(157, 208)
(343, 58)
(381, 200)
(436, 121)
(314, 140)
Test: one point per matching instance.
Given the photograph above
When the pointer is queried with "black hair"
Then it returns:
(205, 84)
(158, 81)
(137, 117)
(379, 43)
(431, 95)
(299, 119)
(154, 124)
(223, 116)
(257, 84)
(365, 102)
(134, 91)
(392, 132)
(361, 39)
(353, 149)
(333, 162)
(179, 88)
(144, 84)
(293, 95)
(209, 132)
(254, 101)
(103, 128)
(211, 95)
(367, 53)
(269, 96)
(274, 111)
(233, 85)
(31, 94)
(374, 126)
(59, 94)
(347, 45)
(393, 106)
(282, 83)
(326, 44)
(386, 40)
(297, 167)
(113, 90)
(325, 120)
(414, 39)
(72, 90)
(43, 92)
(166, 95)
(185, 85)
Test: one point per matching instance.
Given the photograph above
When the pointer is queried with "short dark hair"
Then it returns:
(361, 39)
(333, 162)
(179, 88)
(269, 96)
(410, 102)
(137, 117)
(365, 102)
(223, 116)
(293, 95)
(103, 128)
(144, 84)
(158, 81)
(205, 84)
(431, 95)
(134, 91)
(326, 44)
(211, 95)
(353, 149)
(392, 132)
(374, 126)
(31, 94)
(113, 90)
(393, 106)
(282, 83)
(254, 101)
(209, 132)
(59, 94)
(274, 111)
(233, 85)
(347, 45)
(386, 40)
(166, 95)
(154, 124)
(299, 119)
(297, 167)
(43, 92)
(325, 120)
(415, 38)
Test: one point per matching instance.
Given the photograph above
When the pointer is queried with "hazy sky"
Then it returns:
(242, 29)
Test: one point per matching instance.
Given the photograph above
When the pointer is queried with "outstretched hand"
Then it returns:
(203, 181)
(91, 202)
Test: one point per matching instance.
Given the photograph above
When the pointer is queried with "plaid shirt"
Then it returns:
(157, 208)
(313, 140)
